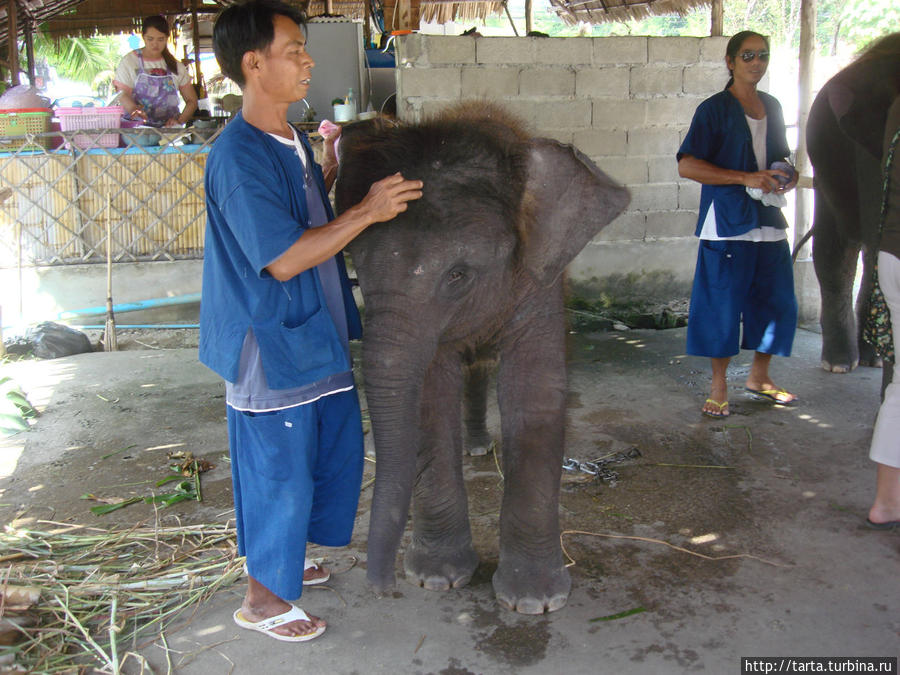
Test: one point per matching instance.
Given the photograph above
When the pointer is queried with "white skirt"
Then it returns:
(886, 437)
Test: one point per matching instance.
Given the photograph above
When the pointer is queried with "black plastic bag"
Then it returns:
(53, 340)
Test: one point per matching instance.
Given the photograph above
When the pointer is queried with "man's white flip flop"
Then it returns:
(266, 625)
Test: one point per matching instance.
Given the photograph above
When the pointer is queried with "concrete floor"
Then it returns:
(789, 568)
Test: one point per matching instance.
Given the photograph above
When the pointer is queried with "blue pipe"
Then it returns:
(99, 326)
(132, 306)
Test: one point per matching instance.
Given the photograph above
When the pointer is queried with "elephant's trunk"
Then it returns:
(393, 374)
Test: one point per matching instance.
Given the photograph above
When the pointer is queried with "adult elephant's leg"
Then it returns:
(477, 375)
(835, 258)
(440, 555)
(531, 577)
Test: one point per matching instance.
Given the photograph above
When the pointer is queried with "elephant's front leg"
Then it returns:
(531, 577)
(441, 555)
(835, 261)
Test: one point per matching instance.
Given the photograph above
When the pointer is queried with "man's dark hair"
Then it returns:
(245, 28)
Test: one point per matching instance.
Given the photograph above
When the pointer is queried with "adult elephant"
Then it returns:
(845, 136)
(473, 270)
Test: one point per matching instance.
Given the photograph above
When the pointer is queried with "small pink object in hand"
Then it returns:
(327, 129)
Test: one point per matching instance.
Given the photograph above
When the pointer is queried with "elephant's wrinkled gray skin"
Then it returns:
(473, 269)
(845, 136)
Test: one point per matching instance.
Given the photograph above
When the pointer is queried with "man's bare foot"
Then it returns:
(295, 629)
(315, 574)
(260, 603)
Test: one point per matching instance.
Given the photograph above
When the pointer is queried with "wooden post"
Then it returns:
(717, 19)
(804, 101)
(198, 76)
(29, 50)
(402, 13)
(529, 11)
(509, 16)
(12, 40)
(367, 25)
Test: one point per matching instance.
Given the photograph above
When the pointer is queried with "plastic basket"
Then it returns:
(16, 124)
(78, 119)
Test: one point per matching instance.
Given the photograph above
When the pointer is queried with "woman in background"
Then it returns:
(885, 449)
(735, 148)
(149, 80)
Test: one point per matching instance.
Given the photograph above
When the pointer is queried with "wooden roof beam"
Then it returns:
(12, 41)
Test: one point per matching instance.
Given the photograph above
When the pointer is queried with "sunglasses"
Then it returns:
(748, 56)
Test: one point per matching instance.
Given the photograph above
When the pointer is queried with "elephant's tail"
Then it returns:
(800, 243)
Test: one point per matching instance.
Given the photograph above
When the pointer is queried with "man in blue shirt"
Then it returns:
(276, 317)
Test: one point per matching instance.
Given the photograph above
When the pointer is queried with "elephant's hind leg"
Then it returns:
(440, 555)
(477, 377)
(835, 260)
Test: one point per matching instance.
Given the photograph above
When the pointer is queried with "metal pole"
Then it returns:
(19, 264)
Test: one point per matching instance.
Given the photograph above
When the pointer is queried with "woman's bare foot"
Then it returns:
(767, 389)
(886, 507)
(717, 403)
(715, 408)
(260, 603)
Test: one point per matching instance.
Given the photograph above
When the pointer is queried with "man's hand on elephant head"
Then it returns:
(389, 197)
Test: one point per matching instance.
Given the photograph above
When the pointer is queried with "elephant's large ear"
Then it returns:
(572, 201)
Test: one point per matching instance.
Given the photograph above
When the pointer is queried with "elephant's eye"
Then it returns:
(457, 282)
(456, 275)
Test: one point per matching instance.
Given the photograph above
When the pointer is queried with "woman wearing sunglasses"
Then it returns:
(736, 149)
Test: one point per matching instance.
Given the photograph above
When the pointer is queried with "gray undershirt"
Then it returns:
(251, 392)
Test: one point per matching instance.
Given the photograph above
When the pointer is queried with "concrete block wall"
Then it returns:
(626, 102)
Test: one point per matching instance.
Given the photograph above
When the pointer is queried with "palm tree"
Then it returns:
(78, 59)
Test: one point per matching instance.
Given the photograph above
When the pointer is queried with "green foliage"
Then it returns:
(865, 20)
(852, 22)
(15, 410)
(79, 59)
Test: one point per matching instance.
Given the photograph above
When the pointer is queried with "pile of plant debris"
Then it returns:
(602, 315)
(74, 597)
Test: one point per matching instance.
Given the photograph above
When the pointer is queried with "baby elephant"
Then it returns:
(474, 268)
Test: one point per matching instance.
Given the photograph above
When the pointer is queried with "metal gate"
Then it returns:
(59, 194)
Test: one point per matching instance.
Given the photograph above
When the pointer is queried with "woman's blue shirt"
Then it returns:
(720, 135)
